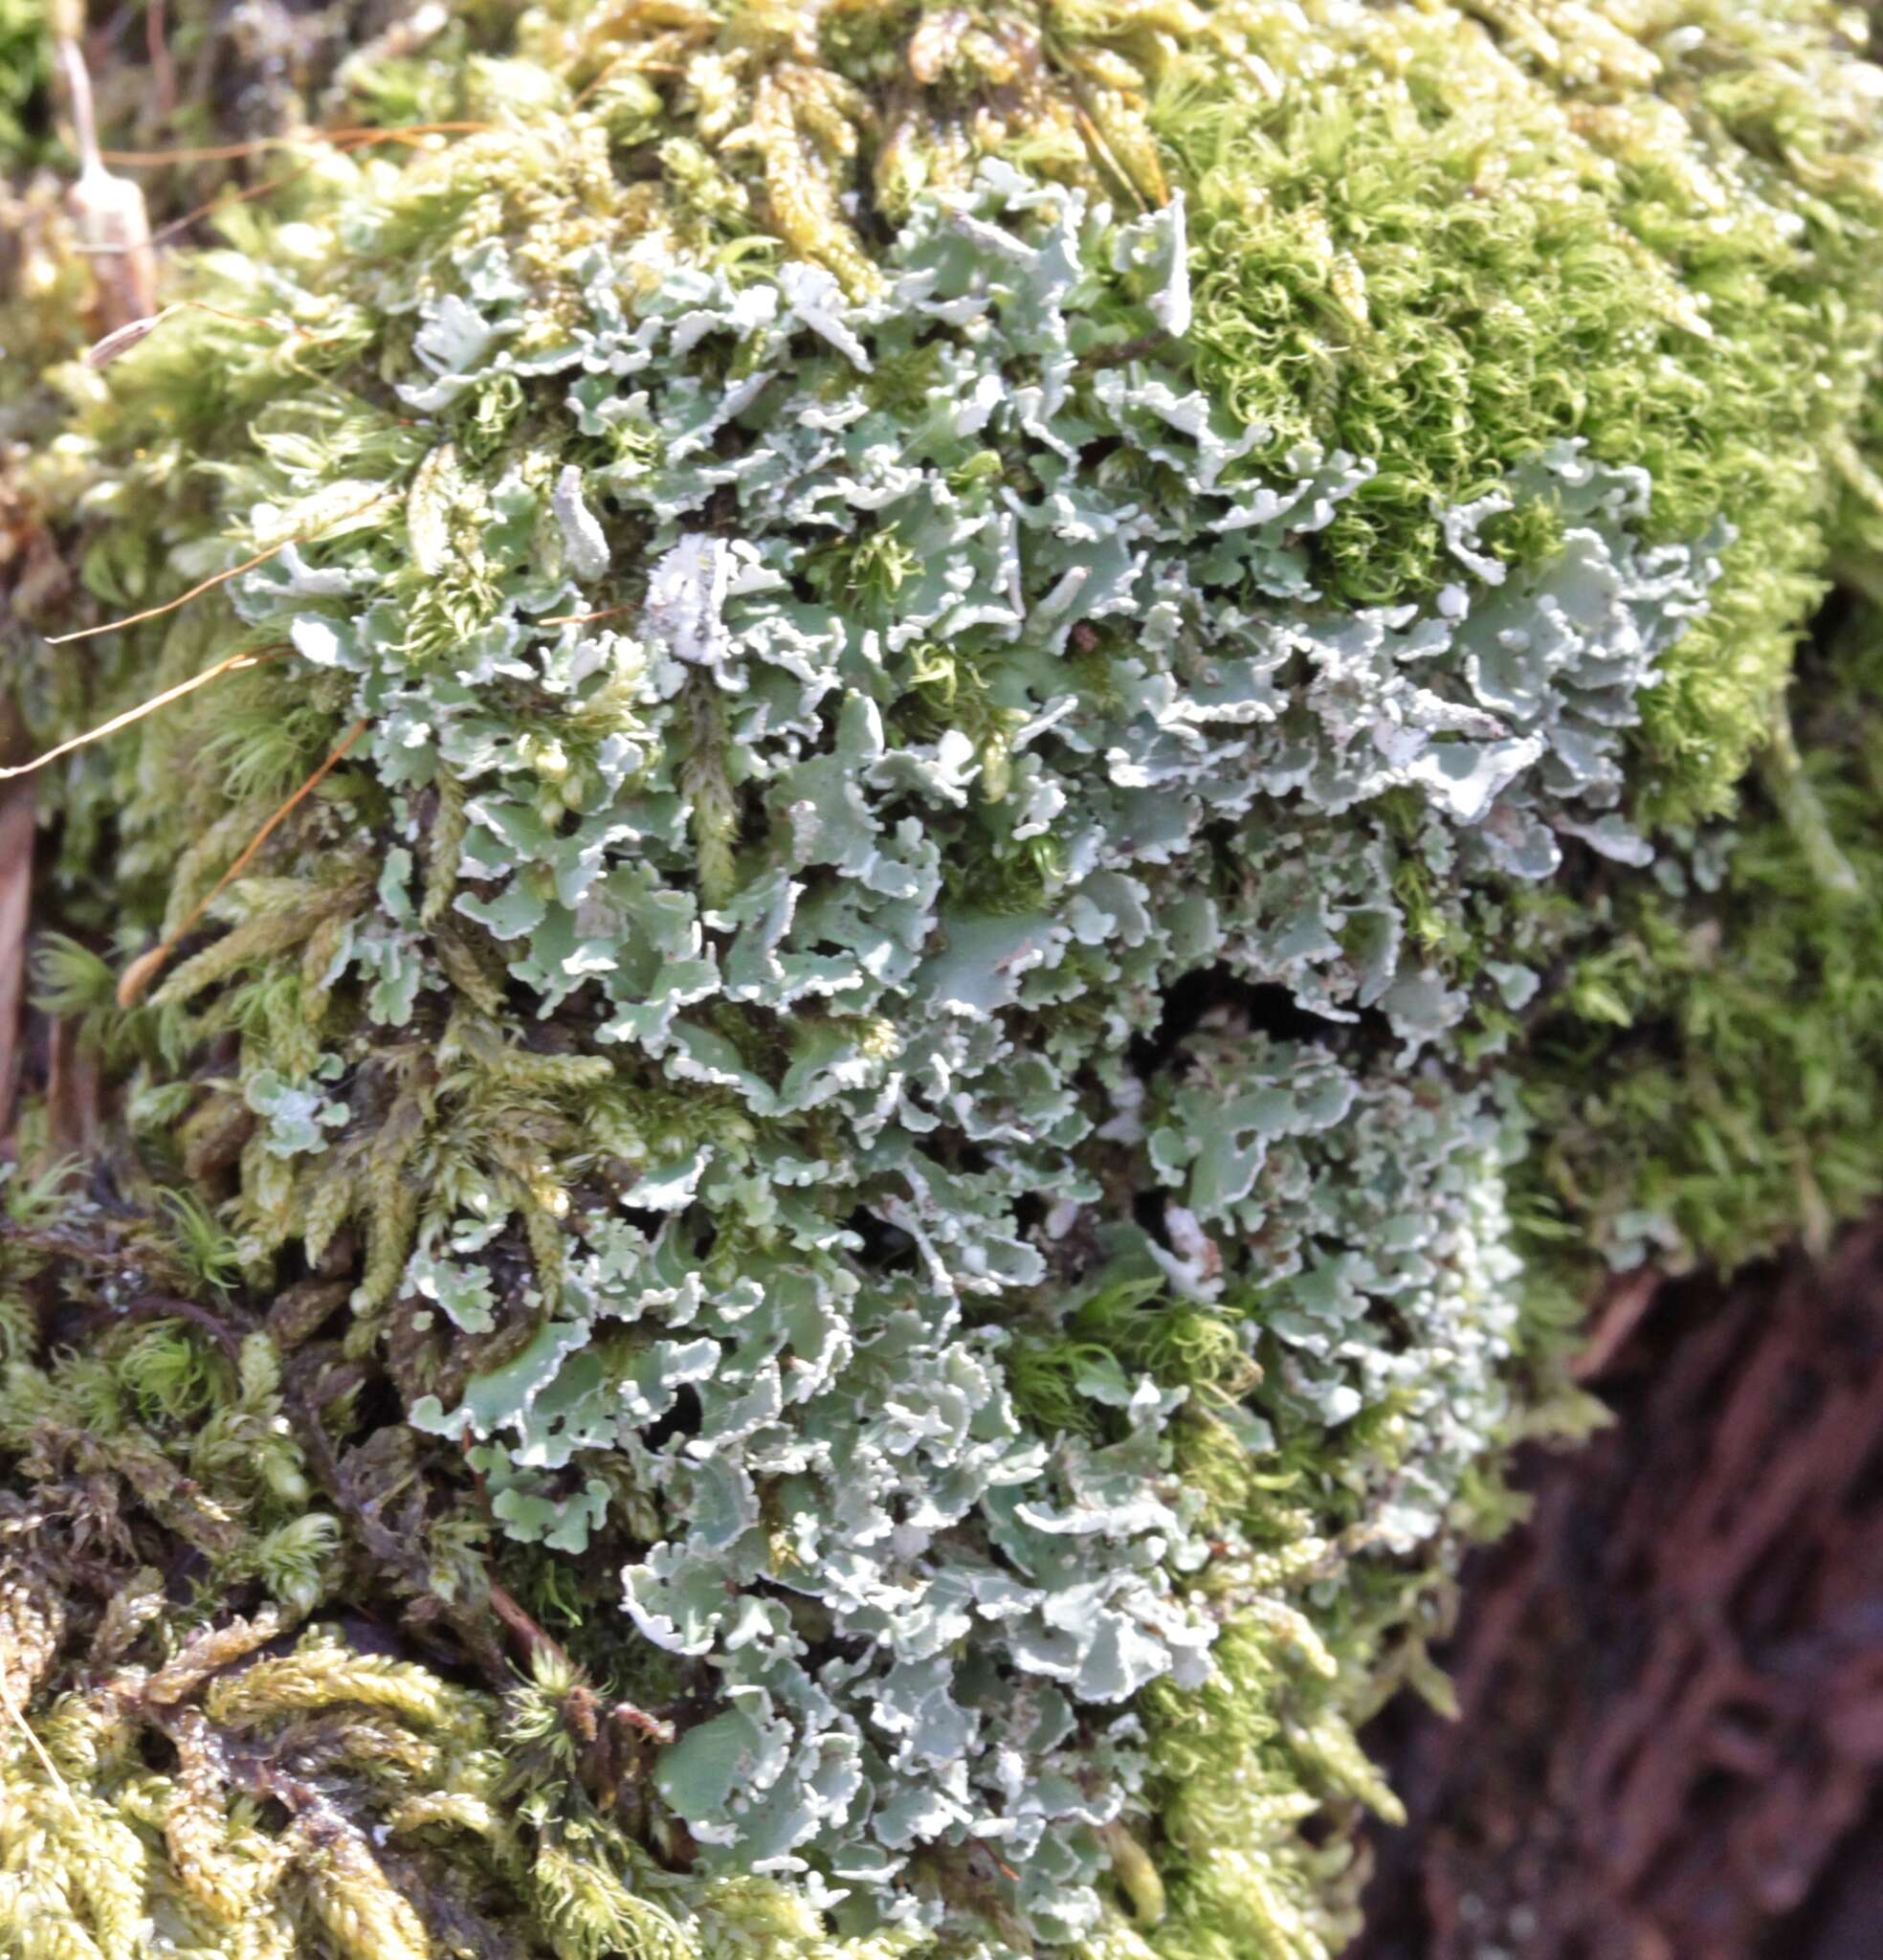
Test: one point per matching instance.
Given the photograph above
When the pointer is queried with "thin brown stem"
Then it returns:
(139, 973)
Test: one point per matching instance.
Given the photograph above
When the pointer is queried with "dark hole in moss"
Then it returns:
(1147, 1209)
(377, 1406)
(156, 1750)
(1827, 624)
(886, 1247)
(1262, 1009)
(682, 1420)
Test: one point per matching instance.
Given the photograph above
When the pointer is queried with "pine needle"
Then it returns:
(33, 1742)
(209, 153)
(409, 132)
(122, 340)
(226, 200)
(347, 140)
(141, 970)
(350, 139)
(233, 665)
(583, 618)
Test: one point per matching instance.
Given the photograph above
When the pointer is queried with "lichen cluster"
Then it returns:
(964, 818)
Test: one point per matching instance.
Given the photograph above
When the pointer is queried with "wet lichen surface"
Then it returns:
(972, 805)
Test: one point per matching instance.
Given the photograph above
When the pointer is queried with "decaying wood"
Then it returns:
(1672, 1680)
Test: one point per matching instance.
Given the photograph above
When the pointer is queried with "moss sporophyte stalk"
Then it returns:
(953, 804)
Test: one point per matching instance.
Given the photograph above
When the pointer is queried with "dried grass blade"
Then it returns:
(220, 578)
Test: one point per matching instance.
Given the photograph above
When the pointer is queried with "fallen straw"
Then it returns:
(233, 665)
(121, 340)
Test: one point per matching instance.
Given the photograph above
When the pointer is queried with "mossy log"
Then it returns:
(874, 845)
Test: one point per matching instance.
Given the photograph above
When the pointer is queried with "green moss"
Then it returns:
(26, 73)
(1708, 1083)
(1461, 239)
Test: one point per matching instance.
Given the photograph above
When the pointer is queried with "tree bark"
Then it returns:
(1671, 1680)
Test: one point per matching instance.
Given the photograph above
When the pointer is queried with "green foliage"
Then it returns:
(26, 72)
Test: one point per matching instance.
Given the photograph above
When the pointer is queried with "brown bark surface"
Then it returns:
(1671, 1680)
